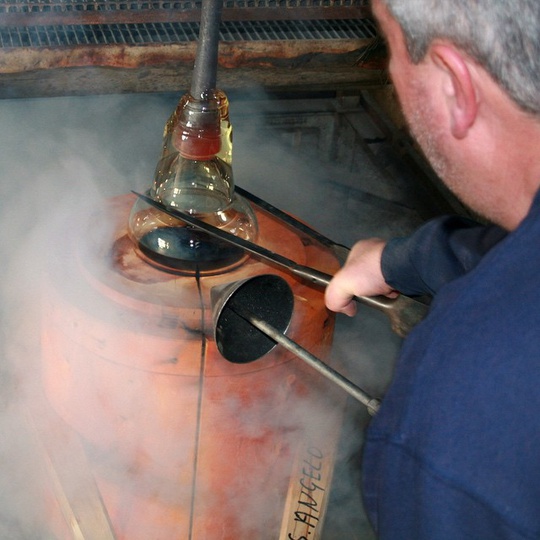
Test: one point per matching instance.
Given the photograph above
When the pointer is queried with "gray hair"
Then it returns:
(501, 35)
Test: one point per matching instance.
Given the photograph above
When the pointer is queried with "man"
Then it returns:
(454, 451)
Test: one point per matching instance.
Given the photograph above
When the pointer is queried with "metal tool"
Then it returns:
(404, 312)
(339, 250)
(251, 317)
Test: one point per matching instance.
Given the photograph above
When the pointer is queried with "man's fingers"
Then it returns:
(340, 301)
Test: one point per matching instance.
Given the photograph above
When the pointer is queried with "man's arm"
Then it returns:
(438, 252)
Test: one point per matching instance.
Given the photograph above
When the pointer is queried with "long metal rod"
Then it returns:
(339, 250)
(370, 402)
(206, 61)
(404, 312)
(310, 274)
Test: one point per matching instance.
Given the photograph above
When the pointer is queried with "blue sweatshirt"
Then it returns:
(454, 451)
(438, 252)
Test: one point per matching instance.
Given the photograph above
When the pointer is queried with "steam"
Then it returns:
(65, 157)
(58, 158)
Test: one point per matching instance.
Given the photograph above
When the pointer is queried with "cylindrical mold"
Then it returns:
(182, 443)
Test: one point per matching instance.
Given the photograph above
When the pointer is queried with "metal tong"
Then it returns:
(404, 312)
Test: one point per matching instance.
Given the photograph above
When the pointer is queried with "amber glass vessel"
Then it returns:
(194, 174)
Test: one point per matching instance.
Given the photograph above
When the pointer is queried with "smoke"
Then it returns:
(334, 187)
(60, 160)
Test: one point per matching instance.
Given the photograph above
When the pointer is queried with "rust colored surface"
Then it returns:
(183, 443)
(231, 54)
(21, 60)
(90, 70)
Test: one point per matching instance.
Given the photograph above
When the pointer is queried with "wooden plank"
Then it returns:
(73, 485)
(95, 81)
(276, 65)
(309, 491)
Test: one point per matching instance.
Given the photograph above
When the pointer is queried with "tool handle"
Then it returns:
(404, 312)
(370, 402)
(323, 280)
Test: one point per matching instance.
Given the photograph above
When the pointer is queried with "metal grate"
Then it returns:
(166, 33)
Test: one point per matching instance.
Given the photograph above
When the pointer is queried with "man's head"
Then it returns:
(501, 35)
(464, 71)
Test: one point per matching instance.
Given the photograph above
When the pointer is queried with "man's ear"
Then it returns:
(459, 87)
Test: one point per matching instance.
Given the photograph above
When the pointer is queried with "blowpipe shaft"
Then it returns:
(205, 69)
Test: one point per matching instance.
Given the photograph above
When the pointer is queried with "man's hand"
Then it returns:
(360, 276)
